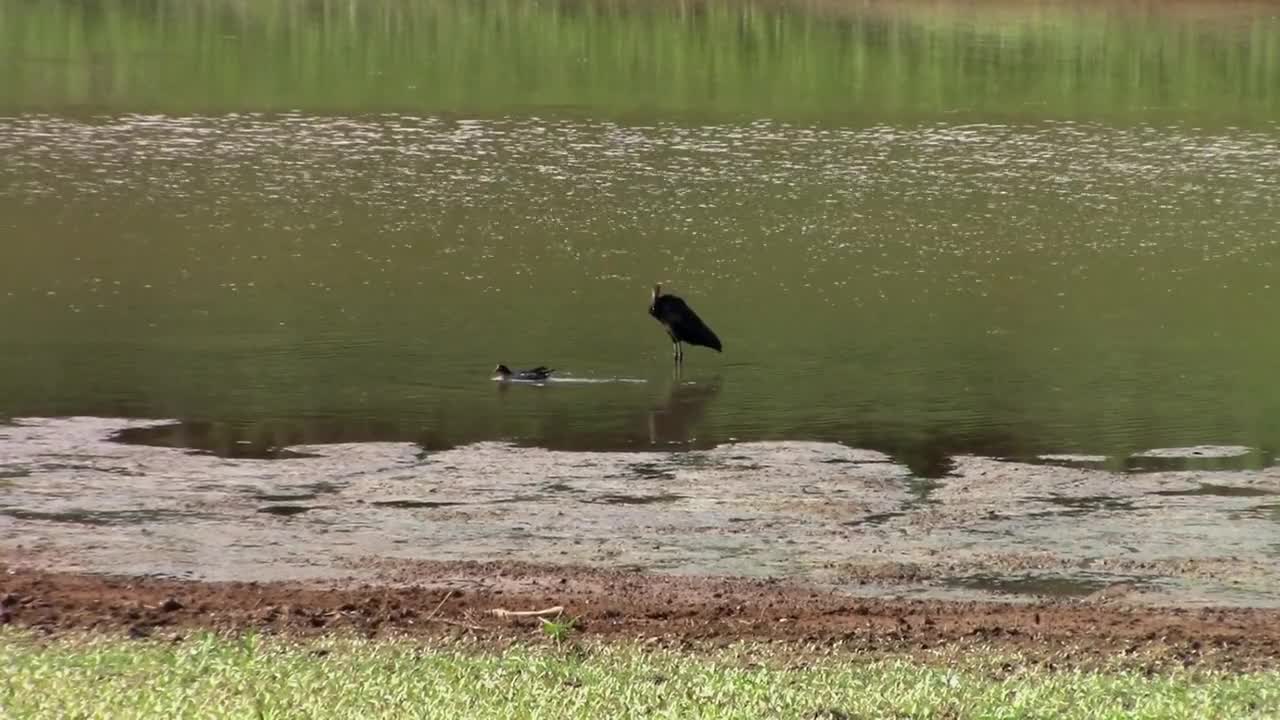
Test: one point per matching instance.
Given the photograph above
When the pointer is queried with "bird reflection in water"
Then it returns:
(680, 415)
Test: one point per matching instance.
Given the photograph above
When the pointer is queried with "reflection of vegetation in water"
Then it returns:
(260, 439)
(729, 57)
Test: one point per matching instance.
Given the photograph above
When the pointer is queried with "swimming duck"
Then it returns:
(542, 372)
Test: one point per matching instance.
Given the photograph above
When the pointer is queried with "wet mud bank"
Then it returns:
(828, 516)
(432, 600)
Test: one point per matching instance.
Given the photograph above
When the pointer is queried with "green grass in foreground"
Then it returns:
(213, 677)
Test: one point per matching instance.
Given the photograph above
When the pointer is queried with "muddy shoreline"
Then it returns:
(1062, 560)
(1176, 534)
(437, 600)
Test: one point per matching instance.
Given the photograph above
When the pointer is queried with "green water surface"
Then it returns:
(925, 229)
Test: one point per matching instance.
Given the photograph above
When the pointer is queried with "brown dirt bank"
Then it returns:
(439, 599)
(1211, 10)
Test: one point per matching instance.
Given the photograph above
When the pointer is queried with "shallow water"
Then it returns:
(1007, 289)
(927, 231)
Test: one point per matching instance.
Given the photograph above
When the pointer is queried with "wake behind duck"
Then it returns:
(538, 374)
(541, 375)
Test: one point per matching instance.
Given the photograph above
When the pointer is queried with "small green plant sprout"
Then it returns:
(559, 629)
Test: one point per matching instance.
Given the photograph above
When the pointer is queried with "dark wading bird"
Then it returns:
(682, 323)
(542, 372)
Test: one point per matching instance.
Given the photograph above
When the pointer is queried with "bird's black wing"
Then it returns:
(685, 323)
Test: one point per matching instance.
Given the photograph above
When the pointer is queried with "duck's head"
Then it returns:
(503, 370)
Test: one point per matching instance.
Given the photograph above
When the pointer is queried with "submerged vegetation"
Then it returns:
(725, 58)
(215, 677)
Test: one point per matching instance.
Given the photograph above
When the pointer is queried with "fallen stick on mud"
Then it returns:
(557, 610)
(439, 605)
(456, 623)
(432, 617)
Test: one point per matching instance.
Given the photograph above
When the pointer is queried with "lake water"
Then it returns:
(921, 229)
